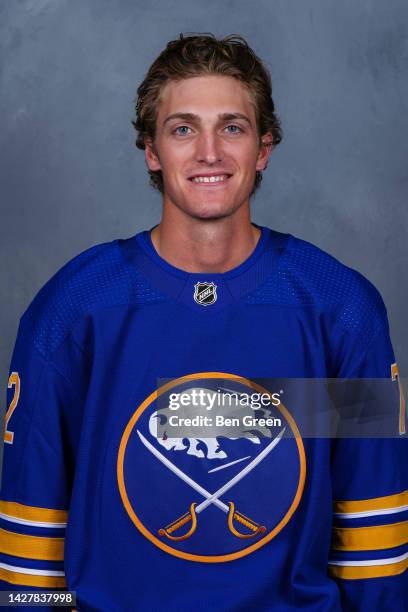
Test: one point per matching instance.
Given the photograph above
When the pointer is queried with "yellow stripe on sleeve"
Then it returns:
(32, 579)
(370, 538)
(375, 503)
(33, 513)
(31, 547)
(354, 572)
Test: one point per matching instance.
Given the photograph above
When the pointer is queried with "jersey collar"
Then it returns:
(205, 292)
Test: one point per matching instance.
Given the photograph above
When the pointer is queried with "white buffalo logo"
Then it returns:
(213, 450)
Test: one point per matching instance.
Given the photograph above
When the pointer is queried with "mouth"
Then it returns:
(213, 179)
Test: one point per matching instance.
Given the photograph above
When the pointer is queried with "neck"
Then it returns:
(200, 245)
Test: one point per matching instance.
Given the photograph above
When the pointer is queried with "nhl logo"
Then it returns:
(205, 293)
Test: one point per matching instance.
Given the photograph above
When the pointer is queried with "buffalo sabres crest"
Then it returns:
(205, 293)
(211, 493)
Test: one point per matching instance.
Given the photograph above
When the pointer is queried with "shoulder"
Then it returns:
(308, 277)
(96, 278)
(344, 292)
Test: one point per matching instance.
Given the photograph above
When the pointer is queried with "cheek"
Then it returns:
(246, 156)
(173, 162)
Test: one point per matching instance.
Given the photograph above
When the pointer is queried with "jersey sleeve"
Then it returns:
(369, 555)
(44, 399)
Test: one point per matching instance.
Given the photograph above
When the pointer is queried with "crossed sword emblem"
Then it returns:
(212, 498)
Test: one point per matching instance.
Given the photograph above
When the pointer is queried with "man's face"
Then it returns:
(207, 145)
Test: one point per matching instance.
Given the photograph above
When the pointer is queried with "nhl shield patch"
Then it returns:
(205, 294)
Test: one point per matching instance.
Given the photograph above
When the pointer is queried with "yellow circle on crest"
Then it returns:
(121, 481)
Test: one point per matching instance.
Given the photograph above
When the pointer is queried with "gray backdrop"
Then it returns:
(71, 177)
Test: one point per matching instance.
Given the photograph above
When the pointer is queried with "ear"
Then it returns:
(151, 155)
(264, 151)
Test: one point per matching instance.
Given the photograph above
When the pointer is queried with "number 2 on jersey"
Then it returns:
(13, 381)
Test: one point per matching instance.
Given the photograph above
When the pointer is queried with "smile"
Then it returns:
(210, 179)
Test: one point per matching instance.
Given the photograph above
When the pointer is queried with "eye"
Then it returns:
(233, 129)
(182, 130)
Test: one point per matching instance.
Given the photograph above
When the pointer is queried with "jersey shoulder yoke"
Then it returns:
(98, 277)
(307, 276)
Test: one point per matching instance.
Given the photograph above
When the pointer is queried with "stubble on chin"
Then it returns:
(211, 212)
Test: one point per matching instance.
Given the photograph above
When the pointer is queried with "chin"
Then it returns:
(210, 208)
(209, 212)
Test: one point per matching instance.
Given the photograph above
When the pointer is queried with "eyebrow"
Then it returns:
(196, 119)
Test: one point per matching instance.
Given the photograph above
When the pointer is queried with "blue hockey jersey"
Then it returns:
(98, 497)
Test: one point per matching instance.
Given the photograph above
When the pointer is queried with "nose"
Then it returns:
(209, 148)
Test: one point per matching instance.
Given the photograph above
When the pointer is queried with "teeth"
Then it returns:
(209, 179)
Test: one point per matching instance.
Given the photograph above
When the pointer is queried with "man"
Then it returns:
(117, 483)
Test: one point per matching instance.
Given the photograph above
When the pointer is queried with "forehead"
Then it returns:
(205, 96)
